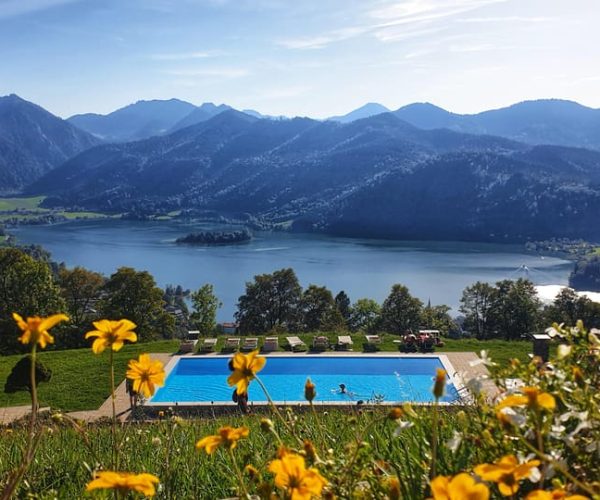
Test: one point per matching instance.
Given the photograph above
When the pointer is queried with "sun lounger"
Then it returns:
(320, 343)
(232, 344)
(344, 342)
(250, 344)
(271, 344)
(208, 345)
(296, 344)
(372, 342)
(187, 346)
(193, 334)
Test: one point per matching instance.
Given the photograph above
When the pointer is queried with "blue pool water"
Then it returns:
(392, 379)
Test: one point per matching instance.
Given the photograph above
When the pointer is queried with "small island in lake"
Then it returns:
(216, 237)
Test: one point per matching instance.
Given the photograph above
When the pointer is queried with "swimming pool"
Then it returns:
(376, 378)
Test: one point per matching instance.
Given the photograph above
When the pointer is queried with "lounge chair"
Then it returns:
(250, 344)
(208, 345)
(320, 343)
(232, 344)
(193, 334)
(296, 344)
(187, 346)
(271, 344)
(344, 342)
(372, 342)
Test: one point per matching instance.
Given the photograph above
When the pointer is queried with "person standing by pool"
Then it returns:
(133, 396)
(241, 400)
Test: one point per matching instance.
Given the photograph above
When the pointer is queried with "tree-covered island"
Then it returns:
(216, 237)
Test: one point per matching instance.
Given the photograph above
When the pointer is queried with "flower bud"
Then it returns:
(266, 424)
(395, 413)
(393, 488)
(251, 471)
(309, 450)
(309, 391)
(440, 383)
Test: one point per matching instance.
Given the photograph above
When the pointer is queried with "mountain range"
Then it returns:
(417, 172)
(33, 142)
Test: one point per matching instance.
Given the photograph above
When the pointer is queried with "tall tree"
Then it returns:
(342, 302)
(516, 309)
(81, 290)
(26, 287)
(319, 310)
(205, 304)
(476, 304)
(365, 315)
(437, 318)
(568, 307)
(134, 295)
(400, 311)
(271, 302)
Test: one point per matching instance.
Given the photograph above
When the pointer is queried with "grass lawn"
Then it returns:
(8, 204)
(80, 378)
(82, 215)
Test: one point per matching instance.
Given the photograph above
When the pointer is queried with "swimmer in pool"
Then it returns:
(342, 388)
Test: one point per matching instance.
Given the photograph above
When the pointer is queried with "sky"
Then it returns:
(313, 58)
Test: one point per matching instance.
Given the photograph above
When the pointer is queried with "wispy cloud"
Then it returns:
(182, 56)
(223, 72)
(11, 8)
(320, 41)
(506, 19)
(419, 11)
(394, 21)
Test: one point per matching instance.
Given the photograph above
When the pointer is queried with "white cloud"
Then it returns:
(11, 8)
(224, 73)
(506, 19)
(182, 56)
(394, 21)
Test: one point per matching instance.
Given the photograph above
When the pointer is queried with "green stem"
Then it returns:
(32, 439)
(239, 474)
(114, 412)
(277, 412)
(434, 439)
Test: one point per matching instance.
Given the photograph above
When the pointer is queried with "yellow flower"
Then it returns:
(245, 367)
(507, 472)
(460, 487)
(227, 436)
(309, 390)
(292, 475)
(440, 383)
(35, 329)
(146, 373)
(532, 398)
(553, 495)
(111, 334)
(124, 482)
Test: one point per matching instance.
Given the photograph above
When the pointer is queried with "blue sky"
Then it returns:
(304, 57)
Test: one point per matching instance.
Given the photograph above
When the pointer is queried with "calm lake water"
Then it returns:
(436, 271)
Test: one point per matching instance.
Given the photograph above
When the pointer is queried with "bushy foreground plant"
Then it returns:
(540, 438)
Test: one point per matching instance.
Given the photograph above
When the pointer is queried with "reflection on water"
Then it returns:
(436, 271)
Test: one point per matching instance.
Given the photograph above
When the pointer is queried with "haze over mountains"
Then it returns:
(418, 172)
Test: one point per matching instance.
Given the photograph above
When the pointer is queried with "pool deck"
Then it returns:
(460, 361)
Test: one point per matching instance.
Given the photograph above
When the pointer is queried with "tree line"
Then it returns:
(31, 284)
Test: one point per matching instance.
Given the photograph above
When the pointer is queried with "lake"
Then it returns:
(436, 271)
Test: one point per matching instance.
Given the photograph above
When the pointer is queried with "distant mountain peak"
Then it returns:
(365, 111)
